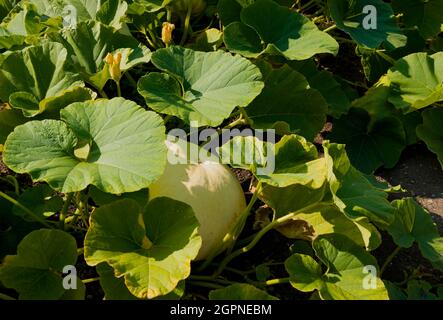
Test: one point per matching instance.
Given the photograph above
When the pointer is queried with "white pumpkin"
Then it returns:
(210, 188)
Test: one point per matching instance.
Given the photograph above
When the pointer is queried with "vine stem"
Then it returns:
(90, 280)
(307, 5)
(333, 27)
(186, 25)
(389, 259)
(119, 88)
(385, 57)
(258, 237)
(209, 285)
(210, 279)
(64, 211)
(276, 281)
(6, 297)
(103, 94)
(131, 79)
(29, 212)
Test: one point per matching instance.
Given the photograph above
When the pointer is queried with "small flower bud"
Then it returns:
(167, 32)
(114, 65)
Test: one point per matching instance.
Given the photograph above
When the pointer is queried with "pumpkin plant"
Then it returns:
(93, 177)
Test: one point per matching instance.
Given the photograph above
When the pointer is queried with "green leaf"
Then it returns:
(35, 272)
(350, 17)
(101, 198)
(208, 40)
(89, 44)
(345, 277)
(151, 248)
(370, 142)
(115, 288)
(416, 81)
(425, 15)
(12, 229)
(24, 20)
(240, 291)
(374, 62)
(430, 131)
(420, 290)
(40, 200)
(352, 193)
(200, 86)
(327, 219)
(39, 79)
(229, 10)
(294, 198)
(325, 83)
(293, 160)
(305, 273)
(9, 119)
(262, 272)
(126, 147)
(414, 224)
(109, 12)
(151, 5)
(6, 6)
(9, 40)
(372, 130)
(282, 31)
(287, 98)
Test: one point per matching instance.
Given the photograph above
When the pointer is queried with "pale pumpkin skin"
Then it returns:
(213, 192)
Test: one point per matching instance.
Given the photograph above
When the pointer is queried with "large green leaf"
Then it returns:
(350, 16)
(345, 276)
(12, 229)
(375, 62)
(425, 15)
(372, 130)
(325, 83)
(41, 200)
(9, 119)
(9, 40)
(414, 224)
(89, 44)
(109, 12)
(5, 7)
(288, 101)
(327, 219)
(151, 248)
(431, 131)
(416, 81)
(267, 27)
(113, 144)
(39, 79)
(200, 86)
(295, 160)
(25, 20)
(353, 194)
(229, 10)
(115, 288)
(240, 291)
(291, 199)
(35, 272)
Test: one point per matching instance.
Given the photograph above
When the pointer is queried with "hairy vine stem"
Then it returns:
(389, 259)
(186, 26)
(29, 212)
(65, 208)
(259, 235)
